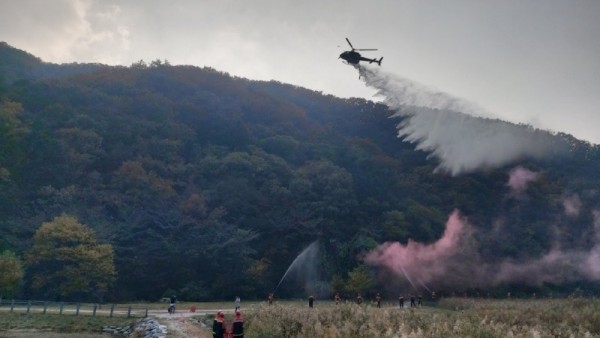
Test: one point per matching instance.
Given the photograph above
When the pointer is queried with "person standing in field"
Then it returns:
(401, 301)
(337, 298)
(359, 299)
(311, 300)
(237, 303)
(412, 301)
(173, 301)
(219, 325)
(237, 329)
(270, 298)
(378, 300)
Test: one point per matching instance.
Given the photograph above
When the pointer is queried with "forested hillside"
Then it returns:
(208, 185)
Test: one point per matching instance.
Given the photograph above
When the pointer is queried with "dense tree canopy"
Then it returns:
(209, 185)
(66, 261)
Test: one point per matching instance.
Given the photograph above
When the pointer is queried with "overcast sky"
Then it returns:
(525, 61)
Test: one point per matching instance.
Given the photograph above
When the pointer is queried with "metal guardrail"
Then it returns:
(72, 308)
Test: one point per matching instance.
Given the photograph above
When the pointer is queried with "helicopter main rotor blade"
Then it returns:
(366, 49)
(349, 43)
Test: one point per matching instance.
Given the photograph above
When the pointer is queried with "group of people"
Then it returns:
(359, 299)
(414, 300)
(220, 328)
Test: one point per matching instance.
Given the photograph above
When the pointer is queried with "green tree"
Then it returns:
(359, 280)
(395, 226)
(337, 283)
(11, 273)
(66, 261)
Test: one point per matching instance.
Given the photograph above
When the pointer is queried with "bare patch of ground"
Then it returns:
(185, 327)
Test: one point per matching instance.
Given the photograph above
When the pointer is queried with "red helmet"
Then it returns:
(220, 314)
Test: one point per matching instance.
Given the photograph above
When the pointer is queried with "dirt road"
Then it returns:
(182, 325)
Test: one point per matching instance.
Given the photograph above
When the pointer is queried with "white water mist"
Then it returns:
(304, 266)
(455, 131)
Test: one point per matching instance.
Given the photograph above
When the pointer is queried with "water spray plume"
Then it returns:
(305, 261)
(465, 138)
(423, 285)
(459, 134)
(400, 92)
(407, 276)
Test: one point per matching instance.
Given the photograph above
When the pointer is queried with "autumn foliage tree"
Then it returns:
(11, 273)
(65, 261)
(359, 280)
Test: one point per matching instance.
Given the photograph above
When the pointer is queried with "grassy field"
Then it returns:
(52, 325)
(454, 317)
(450, 318)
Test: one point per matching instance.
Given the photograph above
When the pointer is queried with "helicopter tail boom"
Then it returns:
(376, 61)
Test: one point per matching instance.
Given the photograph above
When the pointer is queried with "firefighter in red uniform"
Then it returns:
(219, 325)
(238, 325)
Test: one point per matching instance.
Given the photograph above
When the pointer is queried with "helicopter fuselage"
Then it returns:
(354, 57)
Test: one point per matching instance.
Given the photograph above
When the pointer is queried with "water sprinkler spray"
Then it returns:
(308, 254)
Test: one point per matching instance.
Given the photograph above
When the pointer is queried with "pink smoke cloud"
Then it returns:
(520, 177)
(454, 263)
(425, 262)
(556, 266)
(572, 205)
(591, 264)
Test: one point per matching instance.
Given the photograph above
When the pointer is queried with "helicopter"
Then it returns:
(353, 57)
